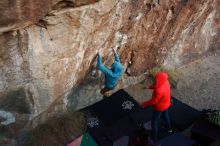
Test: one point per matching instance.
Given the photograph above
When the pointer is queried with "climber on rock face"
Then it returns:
(111, 75)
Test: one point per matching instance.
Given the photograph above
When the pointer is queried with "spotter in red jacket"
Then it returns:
(161, 95)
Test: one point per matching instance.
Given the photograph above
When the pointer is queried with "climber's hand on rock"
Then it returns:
(97, 53)
(101, 50)
(114, 49)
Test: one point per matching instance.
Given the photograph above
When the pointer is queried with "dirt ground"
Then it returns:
(199, 85)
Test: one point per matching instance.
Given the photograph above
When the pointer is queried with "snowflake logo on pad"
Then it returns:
(93, 122)
(127, 105)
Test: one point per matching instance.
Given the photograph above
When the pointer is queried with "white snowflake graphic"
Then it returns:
(92, 122)
(127, 105)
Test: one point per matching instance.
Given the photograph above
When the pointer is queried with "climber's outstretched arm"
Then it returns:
(102, 67)
(116, 54)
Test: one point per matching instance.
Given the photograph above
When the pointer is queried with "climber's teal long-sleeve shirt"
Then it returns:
(111, 75)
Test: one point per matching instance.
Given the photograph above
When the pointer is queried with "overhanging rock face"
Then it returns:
(47, 59)
(15, 14)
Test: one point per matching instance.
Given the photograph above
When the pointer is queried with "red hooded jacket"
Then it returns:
(161, 95)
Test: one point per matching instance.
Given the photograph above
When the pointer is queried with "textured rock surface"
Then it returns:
(7, 117)
(199, 85)
(15, 14)
(47, 60)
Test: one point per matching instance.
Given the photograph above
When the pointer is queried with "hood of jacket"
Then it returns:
(161, 78)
